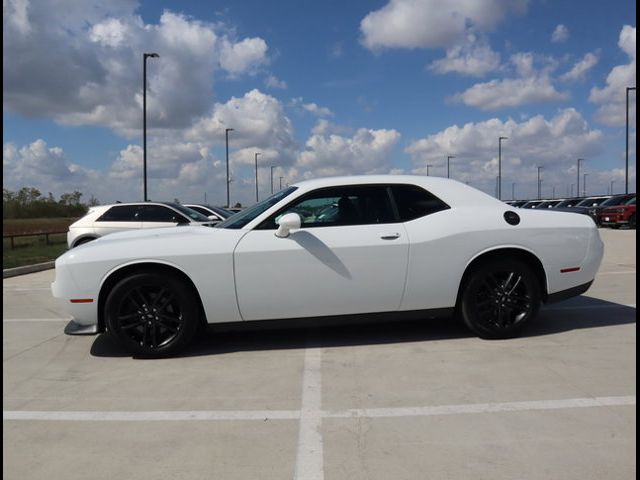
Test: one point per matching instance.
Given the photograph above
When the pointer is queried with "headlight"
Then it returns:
(620, 210)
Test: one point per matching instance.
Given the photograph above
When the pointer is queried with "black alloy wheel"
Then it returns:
(500, 298)
(152, 315)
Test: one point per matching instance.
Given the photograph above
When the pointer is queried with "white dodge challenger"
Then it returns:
(330, 249)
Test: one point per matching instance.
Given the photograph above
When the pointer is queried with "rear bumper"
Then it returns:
(568, 293)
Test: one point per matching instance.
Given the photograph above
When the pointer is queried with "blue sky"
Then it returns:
(318, 88)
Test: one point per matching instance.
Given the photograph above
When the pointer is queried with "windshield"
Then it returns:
(240, 219)
(631, 202)
(569, 203)
(192, 214)
(614, 201)
(591, 202)
(222, 212)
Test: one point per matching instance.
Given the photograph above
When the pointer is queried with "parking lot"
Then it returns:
(405, 400)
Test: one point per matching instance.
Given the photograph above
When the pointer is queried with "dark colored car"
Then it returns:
(548, 204)
(569, 202)
(620, 215)
(593, 206)
(532, 204)
(517, 203)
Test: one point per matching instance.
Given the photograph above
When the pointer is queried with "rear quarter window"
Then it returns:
(415, 202)
(123, 213)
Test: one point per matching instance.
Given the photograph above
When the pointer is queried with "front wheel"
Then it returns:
(152, 315)
(500, 298)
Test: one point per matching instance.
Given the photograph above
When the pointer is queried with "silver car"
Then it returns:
(119, 217)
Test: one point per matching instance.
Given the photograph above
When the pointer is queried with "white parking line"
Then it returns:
(309, 457)
(618, 272)
(312, 428)
(21, 320)
(590, 307)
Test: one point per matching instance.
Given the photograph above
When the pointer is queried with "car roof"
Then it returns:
(451, 191)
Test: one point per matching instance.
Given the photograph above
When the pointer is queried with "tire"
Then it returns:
(152, 315)
(632, 221)
(499, 298)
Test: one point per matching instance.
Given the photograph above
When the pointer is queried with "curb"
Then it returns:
(38, 267)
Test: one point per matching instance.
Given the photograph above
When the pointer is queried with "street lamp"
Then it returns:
(144, 118)
(449, 157)
(539, 181)
(428, 169)
(513, 191)
(500, 166)
(272, 167)
(584, 185)
(281, 182)
(626, 158)
(578, 184)
(256, 159)
(611, 187)
(226, 142)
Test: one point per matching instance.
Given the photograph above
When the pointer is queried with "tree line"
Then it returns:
(28, 202)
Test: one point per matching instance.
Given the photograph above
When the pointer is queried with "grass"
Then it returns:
(33, 249)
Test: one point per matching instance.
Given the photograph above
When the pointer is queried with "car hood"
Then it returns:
(148, 233)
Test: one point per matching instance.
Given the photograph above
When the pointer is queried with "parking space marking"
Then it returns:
(618, 272)
(309, 457)
(484, 408)
(34, 320)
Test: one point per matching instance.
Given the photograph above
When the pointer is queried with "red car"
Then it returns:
(620, 215)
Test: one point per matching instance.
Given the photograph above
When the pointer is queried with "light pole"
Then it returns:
(226, 142)
(611, 187)
(553, 194)
(281, 182)
(428, 169)
(626, 157)
(449, 157)
(500, 166)
(144, 118)
(539, 181)
(578, 184)
(513, 191)
(271, 168)
(584, 184)
(256, 160)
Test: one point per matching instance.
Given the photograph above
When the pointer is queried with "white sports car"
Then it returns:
(328, 248)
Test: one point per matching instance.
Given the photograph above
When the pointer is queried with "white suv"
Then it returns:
(105, 219)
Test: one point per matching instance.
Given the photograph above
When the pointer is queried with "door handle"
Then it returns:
(389, 236)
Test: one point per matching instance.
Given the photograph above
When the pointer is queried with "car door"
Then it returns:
(159, 216)
(349, 256)
(117, 219)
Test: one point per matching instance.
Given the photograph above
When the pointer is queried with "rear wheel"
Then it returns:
(632, 221)
(152, 315)
(499, 298)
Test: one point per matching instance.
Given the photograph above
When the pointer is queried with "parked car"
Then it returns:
(548, 204)
(620, 215)
(396, 246)
(105, 219)
(516, 203)
(595, 211)
(569, 202)
(532, 204)
(216, 214)
(584, 205)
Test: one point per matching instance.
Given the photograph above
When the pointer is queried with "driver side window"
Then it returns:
(339, 206)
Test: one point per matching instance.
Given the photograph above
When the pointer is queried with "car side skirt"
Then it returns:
(337, 320)
(74, 328)
(568, 293)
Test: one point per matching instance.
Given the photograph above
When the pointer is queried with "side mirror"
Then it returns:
(213, 217)
(288, 222)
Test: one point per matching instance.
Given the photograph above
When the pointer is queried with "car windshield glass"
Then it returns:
(222, 212)
(591, 202)
(240, 219)
(631, 202)
(192, 214)
(613, 201)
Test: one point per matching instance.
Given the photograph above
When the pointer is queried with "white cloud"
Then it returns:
(531, 85)
(581, 68)
(258, 121)
(612, 97)
(560, 34)
(311, 107)
(274, 82)
(433, 23)
(473, 59)
(366, 151)
(554, 143)
(244, 56)
(89, 71)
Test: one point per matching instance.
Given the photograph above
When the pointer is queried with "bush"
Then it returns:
(28, 202)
